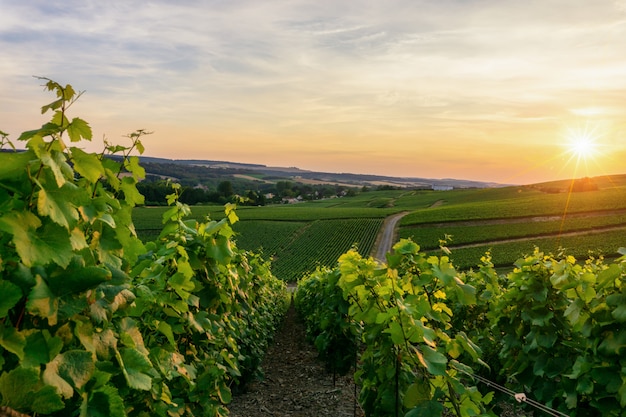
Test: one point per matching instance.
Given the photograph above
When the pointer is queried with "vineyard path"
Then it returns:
(386, 236)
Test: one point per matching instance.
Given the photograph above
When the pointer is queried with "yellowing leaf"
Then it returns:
(51, 377)
(42, 302)
(56, 205)
(434, 361)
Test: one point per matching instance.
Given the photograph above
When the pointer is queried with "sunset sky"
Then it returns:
(490, 90)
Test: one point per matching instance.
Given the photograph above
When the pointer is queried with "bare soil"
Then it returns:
(295, 382)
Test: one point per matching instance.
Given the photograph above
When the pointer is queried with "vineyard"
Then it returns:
(296, 239)
(110, 308)
(95, 322)
(430, 341)
(509, 222)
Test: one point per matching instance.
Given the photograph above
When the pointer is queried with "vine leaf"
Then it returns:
(106, 401)
(11, 294)
(426, 409)
(434, 361)
(12, 340)
(11, 163)
(79, 129)
(87, 164)
(51, 244)
(42, 302)
(21, 389)
(76, 367)
(58, 205)
(134, 366)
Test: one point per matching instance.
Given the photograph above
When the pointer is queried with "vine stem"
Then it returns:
(453, 400)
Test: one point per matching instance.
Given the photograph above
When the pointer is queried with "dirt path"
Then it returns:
(296, 383)
(386, 236)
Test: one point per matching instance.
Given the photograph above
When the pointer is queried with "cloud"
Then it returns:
(292, 71)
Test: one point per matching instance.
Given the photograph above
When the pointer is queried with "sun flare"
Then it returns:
(583, 146)
(583, 142)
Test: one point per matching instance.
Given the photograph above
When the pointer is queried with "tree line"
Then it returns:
(155, 189)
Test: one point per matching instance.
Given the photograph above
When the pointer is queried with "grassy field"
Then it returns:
(508, 221)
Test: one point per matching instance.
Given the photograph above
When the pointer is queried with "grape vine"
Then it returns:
(552, 328)
(92, 321)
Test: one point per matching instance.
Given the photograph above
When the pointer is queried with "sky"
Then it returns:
(488, 90)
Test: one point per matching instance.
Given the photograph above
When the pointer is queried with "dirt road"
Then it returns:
(386, 236)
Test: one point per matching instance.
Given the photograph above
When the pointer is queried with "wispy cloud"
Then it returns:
(339, 75)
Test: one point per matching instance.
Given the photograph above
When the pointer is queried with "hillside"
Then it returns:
(207, 169)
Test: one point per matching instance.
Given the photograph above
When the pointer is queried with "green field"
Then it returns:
(508, 221)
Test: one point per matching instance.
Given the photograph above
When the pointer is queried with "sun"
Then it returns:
(583, 142)
(583, 146)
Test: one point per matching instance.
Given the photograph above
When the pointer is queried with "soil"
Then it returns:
(295, 382)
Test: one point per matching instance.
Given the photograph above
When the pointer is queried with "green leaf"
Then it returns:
(41, 348)
(14, 164)
(11, 294)
(581, 367)
(20, 389)
(42, 302)
(443, 269)
(224, 394)
(12, 340)
(104, 402)
(87, 164)
(219, 249)
(620, 313)
(608, 276)
(77, 278)
(426, 409)
(613, 342)
(79, 129)
(573, 310)
(406, 247)
(76, 367)
(166, 330)
(56, 164)
(52, 106)
(59, 119)
(622, 394)
(37, 247)
(47, 400)
(135, 169)
(17, 387)
(585, 385)
(59, 205)
(433, 360)
(417, 393)
(619, 302)
(395, 331)
(131, 194)
(134, 366)
(229, 210)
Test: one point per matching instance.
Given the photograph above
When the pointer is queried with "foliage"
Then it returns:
(94, 322)
(560, 331)
(401, 313)
(208, 309)
(296, 247)
(320, 302)
(552, 328)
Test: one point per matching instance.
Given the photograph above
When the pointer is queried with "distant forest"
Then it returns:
(201, 184)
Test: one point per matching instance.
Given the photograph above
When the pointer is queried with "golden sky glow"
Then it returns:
(485, 90)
